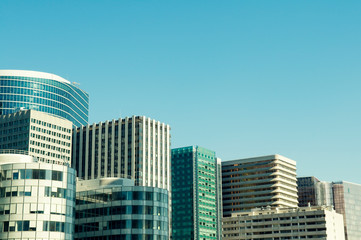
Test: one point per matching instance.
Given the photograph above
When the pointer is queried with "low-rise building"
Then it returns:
(284, 223)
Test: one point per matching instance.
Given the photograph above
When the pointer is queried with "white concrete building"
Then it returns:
(321, 223)
(137, 147)
(258, 182)
(37, 199)
(46, 137)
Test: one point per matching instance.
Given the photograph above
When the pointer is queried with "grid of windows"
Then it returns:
(31, 194)
(58, 98)
(258, 182)
(121, 211)
(195, 205)
(302, 223)
(46, 137)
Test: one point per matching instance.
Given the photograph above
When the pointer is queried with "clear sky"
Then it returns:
(242, 78)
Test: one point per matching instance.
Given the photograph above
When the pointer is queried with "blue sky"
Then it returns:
(243, 78)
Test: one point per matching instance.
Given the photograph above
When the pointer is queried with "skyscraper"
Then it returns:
(43, 92)
(195, 194)
(136, 148)
(44, 136)
(258, 182)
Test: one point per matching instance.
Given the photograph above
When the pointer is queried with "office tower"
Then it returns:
(46, 137)
(289, 223)
(306, 187)
(113, 208)
(136, 147)
(314, 192)
(345, 198)
(195, 194)
(258, 182)
(43, 92)
(37, 199)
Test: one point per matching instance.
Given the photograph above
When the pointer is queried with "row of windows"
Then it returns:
(36, 85)
(52, 226)
(90, 196)
(56, 134)
(37, 208)
(121, 210)
(123, 224)
(31, 174)
(49, 125)
(26, 191)
(76, 118)
(68, 108)
(127, 237)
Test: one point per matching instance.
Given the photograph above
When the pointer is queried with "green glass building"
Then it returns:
(196, 194)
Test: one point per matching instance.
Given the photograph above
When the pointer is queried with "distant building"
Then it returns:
(314, 192)
(136, 147)
(196, 194)
(258, 182)
(345, 197)
(37, 199)
(292, 223)
(113, 208)
(46, 137)
(43, 92)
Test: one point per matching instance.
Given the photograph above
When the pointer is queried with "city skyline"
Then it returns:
(263, 78)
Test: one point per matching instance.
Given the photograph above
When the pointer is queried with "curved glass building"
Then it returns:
(37, 199)
(113, 208)
(43, 92)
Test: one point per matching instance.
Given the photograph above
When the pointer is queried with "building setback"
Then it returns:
(196, 194)
(292, 223)
(46, 137)
(136, 148)
(258, 182)
(44, 92)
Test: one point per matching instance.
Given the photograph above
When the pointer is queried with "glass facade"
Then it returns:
(195, 194)
(59, 98)
(37, 200)
(347, 198)
(125, 213)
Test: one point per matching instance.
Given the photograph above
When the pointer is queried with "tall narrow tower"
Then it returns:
(196, 200)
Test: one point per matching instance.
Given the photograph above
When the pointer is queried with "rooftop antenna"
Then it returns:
(75, 83)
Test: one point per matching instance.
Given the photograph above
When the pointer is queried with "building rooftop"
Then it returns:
(261, 158)
(10, 156)
(33, 74)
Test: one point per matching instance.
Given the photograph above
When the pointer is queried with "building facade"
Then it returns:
(113, 208)
(314, 192)
(46, 137)
(258, 182)
(196, 194)
(343, 196)
(136, 147)
(292, 223)
(37, 199)
(347, 199)
(43, 92)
